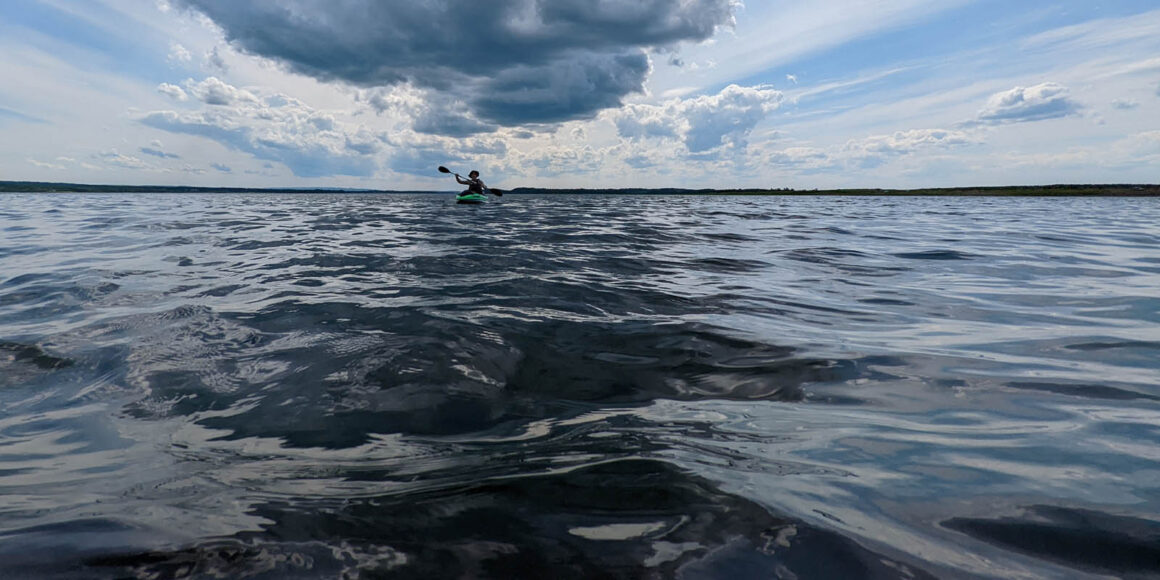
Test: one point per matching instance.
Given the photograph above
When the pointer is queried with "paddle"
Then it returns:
(498, 193)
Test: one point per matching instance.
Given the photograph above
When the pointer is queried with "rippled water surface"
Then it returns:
(301, 386)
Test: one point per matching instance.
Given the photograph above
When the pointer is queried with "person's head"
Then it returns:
(473, 174)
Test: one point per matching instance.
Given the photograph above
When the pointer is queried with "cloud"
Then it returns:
(1143, 146)
(222, 168)
(508, 62)
(705, 123)
(1125, 104)
(878, 149)
(179, 54)
(10, 114)
(557, 160)
(643, 121)
(1020, 105)
(274, 128)
(801, 158)
(419, 154)
(45, 164)
(114, 158)
(215, 61)
(212, 91)
(430, 113)
(172, 91)
(904, 142)
(155, 149)
(728, 117)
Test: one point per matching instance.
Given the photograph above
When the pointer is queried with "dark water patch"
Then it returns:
(251, 245)
(32, 354)
(311, 282)
(729, 237)
(445, 377)
(95, 223)
(726, 265)
(886, 302)
(344, 262)
(60, 550)
(26, 278)
(241, 224)
(837, 230)
(637, 363)
(1055, 238)
(795, 306)
(1089, 540)
(222, 290)
(821, 255)
(22, 365)
(623, 519)
(935, 255)
(1082, 390)
(1116, 345)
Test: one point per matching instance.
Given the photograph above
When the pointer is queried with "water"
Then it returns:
(301, 386)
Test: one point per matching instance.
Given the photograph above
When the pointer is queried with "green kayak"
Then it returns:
(468, 197)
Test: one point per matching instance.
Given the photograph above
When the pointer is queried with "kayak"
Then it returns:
(468, 197)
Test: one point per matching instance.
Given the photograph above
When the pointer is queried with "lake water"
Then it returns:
(380, 386)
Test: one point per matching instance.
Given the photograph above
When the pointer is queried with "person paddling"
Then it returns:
(473, 182)
(475, 186)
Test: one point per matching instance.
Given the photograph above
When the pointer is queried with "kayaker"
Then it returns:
(473, 182)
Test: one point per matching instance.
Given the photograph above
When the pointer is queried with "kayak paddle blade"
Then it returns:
(444, 169)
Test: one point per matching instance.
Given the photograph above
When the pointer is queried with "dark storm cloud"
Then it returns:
(509, 61)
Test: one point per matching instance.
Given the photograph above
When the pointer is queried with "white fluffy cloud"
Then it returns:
(274, 127)
(1037, 103)
(121, 160)
(801, 159)
(879, 149)
(172, 91)
(705, 123)
(212, 91)
(1143, 147)
(903, 142)
(179, 54)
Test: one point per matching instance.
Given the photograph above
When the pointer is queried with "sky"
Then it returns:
(580, 93)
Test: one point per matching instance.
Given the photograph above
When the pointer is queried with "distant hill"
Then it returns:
(1107, 190)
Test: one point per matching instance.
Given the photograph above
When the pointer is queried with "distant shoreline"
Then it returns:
(1076, 190)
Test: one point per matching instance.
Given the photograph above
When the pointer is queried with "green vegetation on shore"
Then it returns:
(1108, 190)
